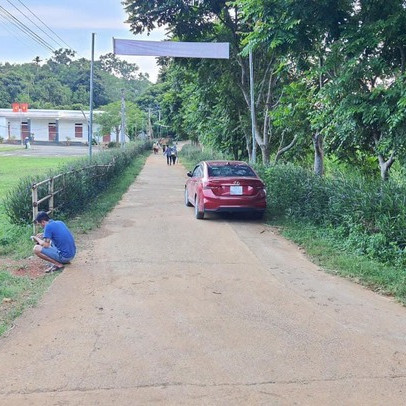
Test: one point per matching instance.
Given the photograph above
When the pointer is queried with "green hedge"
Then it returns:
(368, 217)
(193, 154)
(83, 182)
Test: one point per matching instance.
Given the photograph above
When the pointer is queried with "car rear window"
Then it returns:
(230, 170)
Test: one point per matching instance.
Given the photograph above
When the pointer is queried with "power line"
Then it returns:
(21, 26)
(29, 19)
(50, 29)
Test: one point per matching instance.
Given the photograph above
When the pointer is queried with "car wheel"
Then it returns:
(198, 214)
(187, 203)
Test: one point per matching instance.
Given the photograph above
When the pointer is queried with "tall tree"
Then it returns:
(365, 99)
(299, 35)
(218, 20)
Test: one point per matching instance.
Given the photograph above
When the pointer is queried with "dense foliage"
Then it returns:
(82, 182)
(365, 216)
(62, 82)
(329, 78)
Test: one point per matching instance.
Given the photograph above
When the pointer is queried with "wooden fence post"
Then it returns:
(51, 194)
(34, 206)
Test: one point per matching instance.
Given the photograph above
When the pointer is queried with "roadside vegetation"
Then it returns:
(358, 232)
(19, 292)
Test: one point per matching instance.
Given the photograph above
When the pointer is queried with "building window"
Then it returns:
(78, 130)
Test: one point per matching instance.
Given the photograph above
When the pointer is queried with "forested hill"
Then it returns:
(63, 82)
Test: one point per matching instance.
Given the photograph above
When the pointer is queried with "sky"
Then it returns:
(73, 22)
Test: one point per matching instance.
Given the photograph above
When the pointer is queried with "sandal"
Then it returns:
(54, 268)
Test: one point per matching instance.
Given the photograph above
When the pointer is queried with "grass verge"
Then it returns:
(19, 293)
(322, 248)
(15, 240)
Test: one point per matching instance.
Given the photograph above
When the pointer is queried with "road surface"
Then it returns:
(46, 150)
(160, 308)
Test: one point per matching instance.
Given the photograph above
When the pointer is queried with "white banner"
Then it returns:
(214, 50)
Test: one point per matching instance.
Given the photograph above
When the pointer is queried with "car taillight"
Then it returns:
(261, 189)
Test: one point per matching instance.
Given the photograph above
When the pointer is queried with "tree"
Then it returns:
(298, 34)
(110, 119)
(208, 21)
(122, 69)
(368, 91)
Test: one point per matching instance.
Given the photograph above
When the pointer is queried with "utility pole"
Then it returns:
(122, 132)
(149, 123)
(254, 143)
(159, 121)
(90, 135)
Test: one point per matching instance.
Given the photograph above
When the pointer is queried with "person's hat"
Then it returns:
(42, 215)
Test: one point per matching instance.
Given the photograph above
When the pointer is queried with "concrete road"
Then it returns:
(45, 150)
(160, 308)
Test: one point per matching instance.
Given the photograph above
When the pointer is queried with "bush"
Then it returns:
(361, 215)
(82, 182)
(367, 216)
(194, 154)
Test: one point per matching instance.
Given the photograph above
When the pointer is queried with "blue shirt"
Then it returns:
(61, 238)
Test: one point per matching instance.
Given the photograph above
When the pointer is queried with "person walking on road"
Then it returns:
(168, 154)
(174, 154)
(56, 245)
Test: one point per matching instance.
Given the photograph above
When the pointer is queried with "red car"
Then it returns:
(225, 186)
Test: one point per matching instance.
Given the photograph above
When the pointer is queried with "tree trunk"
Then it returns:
(263, 140)
(318, 154)
(248, 140)
(384, 166)
(282, 150)
(265, 153)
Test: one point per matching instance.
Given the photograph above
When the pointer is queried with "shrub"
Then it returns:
(82, 182)
(367, 216)
(194, 154)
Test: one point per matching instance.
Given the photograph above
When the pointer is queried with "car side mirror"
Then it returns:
(189, 174)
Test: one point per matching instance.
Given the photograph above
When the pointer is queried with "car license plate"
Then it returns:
(235, 190)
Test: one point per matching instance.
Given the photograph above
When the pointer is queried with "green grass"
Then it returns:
(323, 249)
(25, 292)
(13, 168)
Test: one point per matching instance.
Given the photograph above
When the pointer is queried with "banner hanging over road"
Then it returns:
(213, 50)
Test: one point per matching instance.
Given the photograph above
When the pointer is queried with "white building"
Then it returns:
(62, 126)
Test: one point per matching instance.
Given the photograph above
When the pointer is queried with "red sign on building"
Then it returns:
(20, 106)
